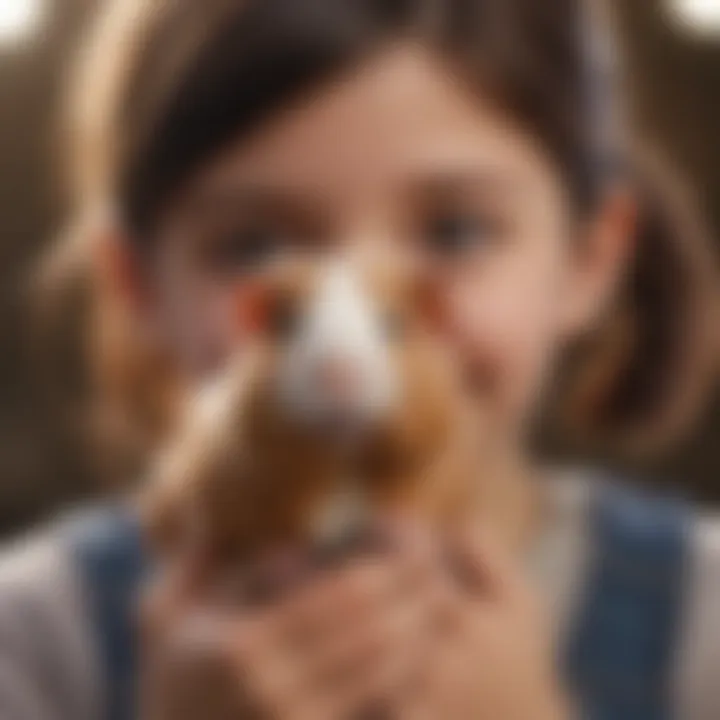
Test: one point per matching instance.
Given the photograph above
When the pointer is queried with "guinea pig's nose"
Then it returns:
(339, 377)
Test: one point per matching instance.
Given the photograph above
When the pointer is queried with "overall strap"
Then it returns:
(107, 548)
(621, 655)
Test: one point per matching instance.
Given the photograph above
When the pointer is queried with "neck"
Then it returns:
(509, 499)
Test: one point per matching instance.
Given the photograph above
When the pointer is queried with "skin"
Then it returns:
(401, 159)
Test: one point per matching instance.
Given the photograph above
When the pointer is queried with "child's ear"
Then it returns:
(602, 255)
(118, 267)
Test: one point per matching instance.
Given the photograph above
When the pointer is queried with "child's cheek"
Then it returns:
(505, 334)
(204, 326)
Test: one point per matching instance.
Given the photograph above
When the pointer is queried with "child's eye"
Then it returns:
(455, 233)
(243, 250)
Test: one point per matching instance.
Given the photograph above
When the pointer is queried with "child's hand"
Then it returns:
(492, 658)
(385, 637)
(339, 646)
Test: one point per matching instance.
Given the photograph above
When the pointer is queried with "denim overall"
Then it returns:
(619, 662)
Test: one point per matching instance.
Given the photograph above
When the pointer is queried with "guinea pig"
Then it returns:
(341, 403)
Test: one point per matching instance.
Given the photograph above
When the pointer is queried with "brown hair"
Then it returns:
(172, 82)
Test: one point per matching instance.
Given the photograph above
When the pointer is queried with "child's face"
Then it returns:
(400, 158)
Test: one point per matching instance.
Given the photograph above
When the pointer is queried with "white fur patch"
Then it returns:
(341, 322)
(211, 399)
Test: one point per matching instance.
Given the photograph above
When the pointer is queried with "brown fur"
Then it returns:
(244, 477)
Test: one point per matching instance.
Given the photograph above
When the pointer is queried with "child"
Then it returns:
(484, 138)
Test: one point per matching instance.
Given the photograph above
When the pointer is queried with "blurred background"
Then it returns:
(672, 50)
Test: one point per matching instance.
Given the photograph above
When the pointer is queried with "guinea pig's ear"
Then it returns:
(267, 308)
(253, 307)
(427, 299)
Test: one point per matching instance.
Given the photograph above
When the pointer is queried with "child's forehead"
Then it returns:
(402, 116)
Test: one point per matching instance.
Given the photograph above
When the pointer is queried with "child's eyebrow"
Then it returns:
(491, 180)
(245, 194)
(253, 199)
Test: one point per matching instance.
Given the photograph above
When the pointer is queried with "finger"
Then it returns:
(341, 663)
(346, 617)
(265, 581)
(180, 581)
(344, 598)
(406, 536)
(182, 585)
(165, 598)
(407, 661)
(434, 691)
(483, 567)
(372, 693)
(369, 692)
(210, 650)
(358, 649)
(195, 652)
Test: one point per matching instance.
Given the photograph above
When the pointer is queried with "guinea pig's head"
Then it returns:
(348, 345)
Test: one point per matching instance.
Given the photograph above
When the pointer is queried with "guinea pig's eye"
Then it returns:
(394, 326)
(284, 319)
